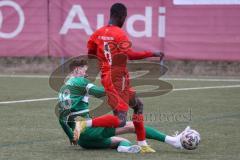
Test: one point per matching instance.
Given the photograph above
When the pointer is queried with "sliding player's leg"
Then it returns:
(96, 137)
(152, 133)
(124, 145)
(100, 138)
(121, 144)
(95, 144)
(108, 121)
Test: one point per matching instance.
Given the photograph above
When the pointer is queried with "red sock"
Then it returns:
(139, 126)
(106, 121)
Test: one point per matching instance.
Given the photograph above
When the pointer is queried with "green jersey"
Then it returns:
(73, 100)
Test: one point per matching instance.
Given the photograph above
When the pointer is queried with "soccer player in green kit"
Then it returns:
(73, 102)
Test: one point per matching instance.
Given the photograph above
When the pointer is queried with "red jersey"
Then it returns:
(102, 42)
(111, 46)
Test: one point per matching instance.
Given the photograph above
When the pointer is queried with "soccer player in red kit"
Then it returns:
(111, 46)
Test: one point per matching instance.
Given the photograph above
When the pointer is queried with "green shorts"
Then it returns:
(93, 138)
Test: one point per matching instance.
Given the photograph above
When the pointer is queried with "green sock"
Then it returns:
(125, 143)
(152, 133)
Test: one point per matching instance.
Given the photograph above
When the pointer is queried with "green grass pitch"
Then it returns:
(30, 130)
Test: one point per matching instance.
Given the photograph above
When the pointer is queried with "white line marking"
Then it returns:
(210, 87)
(28, 100)
(201, 79)
(176, 89)
(164, 78)
(24, 76)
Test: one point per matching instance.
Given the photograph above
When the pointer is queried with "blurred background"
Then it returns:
(198, 37)
(201, 42)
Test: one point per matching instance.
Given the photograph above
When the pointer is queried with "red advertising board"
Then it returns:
(183, 29)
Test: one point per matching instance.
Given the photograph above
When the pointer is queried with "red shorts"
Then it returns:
(118, 92)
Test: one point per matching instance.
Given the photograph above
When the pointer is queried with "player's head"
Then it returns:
(118, 14)
(78, 67)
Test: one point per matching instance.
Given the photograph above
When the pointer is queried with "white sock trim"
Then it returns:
(89, 123)
(122, 148)
(174, 141)
(142, 143)
(89, 85)
(170, 140)
(129, 149)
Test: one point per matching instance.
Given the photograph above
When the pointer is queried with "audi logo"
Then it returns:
(20, 14)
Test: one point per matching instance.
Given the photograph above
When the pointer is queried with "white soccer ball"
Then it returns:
(190, 139)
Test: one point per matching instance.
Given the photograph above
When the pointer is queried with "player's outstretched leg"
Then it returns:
(107, 121)
(175, 140)
(124, 146)
(95, 139)
(153, 133)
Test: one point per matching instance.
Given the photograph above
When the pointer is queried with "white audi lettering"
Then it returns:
(21, 22)
(147, 18)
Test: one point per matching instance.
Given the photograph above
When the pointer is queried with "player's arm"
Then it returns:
(133, 55)
(96, 91)
(63, 120)
(92, 46)
(85, 87)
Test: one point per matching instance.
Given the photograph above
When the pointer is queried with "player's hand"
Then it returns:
(73, 142)
(158, 54)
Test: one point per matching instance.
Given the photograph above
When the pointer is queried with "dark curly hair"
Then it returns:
(77, 63)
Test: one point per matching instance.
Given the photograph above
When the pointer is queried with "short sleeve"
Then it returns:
(91, 45)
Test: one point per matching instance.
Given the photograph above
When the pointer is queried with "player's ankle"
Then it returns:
(89, 123)
(171, 140)
(142, 143)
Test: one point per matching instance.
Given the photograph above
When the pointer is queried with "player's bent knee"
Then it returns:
(130, 127)
(122, 116)
(138, 109)
(122, 123)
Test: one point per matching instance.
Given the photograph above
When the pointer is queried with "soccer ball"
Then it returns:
(190, 139)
